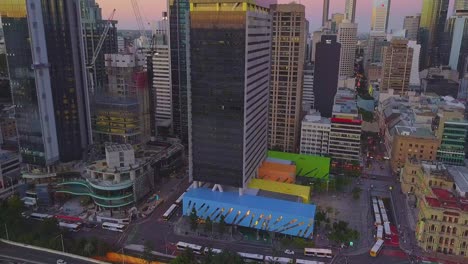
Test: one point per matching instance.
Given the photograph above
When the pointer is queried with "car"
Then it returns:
(289, 252)
(61, 261)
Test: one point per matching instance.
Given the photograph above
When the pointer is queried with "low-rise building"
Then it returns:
(315, 134)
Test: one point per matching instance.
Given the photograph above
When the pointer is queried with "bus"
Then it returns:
(69, 226)
(278, 260)
(249, 256)
(318, 252)
(379, 232)
(378, 220)
(387, 230)
(213, 250)
(384, 216)
(168, 214)
(381, 204)
(303, 261)
(183, 246)
(113, 227)
(40, 217)
(180, 199)
(376, 248)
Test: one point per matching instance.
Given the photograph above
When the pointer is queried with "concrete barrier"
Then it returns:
(53, 251)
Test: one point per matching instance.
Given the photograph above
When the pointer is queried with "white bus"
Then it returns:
(318, 252)
(71, 227)
(113, 227)
(374, 200)
(168, 214)
(180, 199)
(376, 248)
(249, 256)
(183, 246)
(379, 232)
(40, 217)
(278, 260)
(213, 250)
(381, 204)
(376, 208)
(378, 220)
(384, 216)
(388, 231)
(303, 261)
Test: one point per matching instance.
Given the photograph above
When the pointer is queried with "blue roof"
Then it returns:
(274, 215)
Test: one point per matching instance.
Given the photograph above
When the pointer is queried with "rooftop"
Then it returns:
(460, 176)
(414, 131)
(315, 117)
(445, 199)
(345, 102)
(118, 147)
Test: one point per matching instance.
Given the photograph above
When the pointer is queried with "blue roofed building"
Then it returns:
(268, 214)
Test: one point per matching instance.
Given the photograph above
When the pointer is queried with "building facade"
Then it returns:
(398, 58)
(350, 10)
(45, 46)
(287, 64)
(347, 37)
(230, 50)
(308, 98)
(325, 12)
(411, 25)
(326, 72)
(380, 15)
(315, 134)
(459, 48)
(460, 5)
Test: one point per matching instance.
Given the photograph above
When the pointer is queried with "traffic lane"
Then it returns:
(36, 256)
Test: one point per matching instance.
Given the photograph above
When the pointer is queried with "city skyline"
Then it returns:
(152, 10)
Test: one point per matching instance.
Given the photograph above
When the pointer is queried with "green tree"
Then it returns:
(186, 257)
(356, 193)
(89, 248)
(193, 219)
(208, 225)
(222, 224)
(147, 251)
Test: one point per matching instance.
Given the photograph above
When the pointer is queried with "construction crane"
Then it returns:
(91, 64)
(140, 24)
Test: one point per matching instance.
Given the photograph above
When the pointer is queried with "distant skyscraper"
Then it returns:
(411, 25)
(230, 50)
(48, 81)
(308, 90)
(179, 37)
(327, 64)
(459, 49)
(316, 37)
(431, 29)
(350, 10)
(380, 15)
(336, 20)
(397, 63)
(347, 37)
(326, 10)
(460, 5)
(286, 77)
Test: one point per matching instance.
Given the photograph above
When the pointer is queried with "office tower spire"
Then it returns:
(350, 10)
(326, 9)
(286, 76)
(380, 15)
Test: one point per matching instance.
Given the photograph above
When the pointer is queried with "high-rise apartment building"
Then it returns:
(375, 44)
(316, 37)
(287, 66)
(350, 10)
(327, 65)
(398, 58)
(460, 5)
(308, 87)
(347, 37)
(47, 71)
(180, 77)
(459, 48)
(431, 29)
(230, 50)
(325, 11)
(336, 20)
(93, 28)
(411, 25)
(380, 15)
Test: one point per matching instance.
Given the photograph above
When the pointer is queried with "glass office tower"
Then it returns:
(230, 46)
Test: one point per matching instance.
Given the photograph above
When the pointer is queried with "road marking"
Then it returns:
(20, 259)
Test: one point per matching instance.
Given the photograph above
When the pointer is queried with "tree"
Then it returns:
(208, 225)
(356, 193)
(147, 251)
(186, 257)
(89, 248)
(222, 224)
(193, 219)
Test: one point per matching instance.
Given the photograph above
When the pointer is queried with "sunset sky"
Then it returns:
(151, 10)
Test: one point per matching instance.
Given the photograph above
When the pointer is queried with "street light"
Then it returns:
(61, 238)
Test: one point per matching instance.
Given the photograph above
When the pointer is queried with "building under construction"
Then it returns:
(121, 112)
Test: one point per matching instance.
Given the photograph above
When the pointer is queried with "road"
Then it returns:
(16, 254)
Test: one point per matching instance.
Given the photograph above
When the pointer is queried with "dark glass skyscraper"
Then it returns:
(179, 37)
(327, 64)
(230, 46)
(45, 57)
